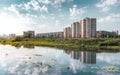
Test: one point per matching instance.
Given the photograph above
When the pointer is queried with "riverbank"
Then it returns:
(71, 44)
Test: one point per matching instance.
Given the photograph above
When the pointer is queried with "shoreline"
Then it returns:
(93, 44)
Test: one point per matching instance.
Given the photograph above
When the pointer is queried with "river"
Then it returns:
(52, 61)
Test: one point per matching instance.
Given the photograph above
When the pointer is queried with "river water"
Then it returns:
(52, 61)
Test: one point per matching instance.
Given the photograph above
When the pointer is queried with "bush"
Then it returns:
(110, 42)
(17, 38)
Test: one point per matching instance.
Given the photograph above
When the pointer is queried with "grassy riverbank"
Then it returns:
(74, 44)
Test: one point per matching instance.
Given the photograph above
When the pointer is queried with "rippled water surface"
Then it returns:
(52, 61)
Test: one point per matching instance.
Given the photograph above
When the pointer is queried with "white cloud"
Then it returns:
(30, 15)
(13, 9)
(74, 6)
(105, 9)
(59, 2)
(43, 16)
(44, 1)
(26, 7)
(35, 5)
(44, 8)
(110, 22)
(112, 18)
(74, 11)
(11, 23)
(57, 22)
(56, 3)
(24, 17)
(106, 5)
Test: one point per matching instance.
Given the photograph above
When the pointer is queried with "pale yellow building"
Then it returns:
(88, 27)
(67, 32)
(76, 30)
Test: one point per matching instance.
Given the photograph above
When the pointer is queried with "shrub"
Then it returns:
(17, 38)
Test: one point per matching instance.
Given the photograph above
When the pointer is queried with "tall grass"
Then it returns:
(72, 43)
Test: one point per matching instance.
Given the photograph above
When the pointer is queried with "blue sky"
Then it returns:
(42, 16)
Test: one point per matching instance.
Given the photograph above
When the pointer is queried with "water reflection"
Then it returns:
(84, 56)
(53, 61)
(88, 57)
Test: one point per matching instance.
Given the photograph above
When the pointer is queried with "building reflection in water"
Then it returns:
(85, 57)
(88, 57)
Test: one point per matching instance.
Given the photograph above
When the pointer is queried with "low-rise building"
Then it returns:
(12, 35)
(28, 34)
(50, 35)
(106, 34)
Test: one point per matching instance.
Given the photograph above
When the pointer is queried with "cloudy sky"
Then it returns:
(53, 15)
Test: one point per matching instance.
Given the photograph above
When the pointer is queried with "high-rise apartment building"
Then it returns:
(88, 27)
(67, 32)
(76, 30)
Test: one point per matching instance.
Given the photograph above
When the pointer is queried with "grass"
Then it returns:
(74, 44)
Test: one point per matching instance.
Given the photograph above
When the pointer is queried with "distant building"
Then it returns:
(12, 35)
(106, 34)
(50, 35)
(67, 32)
(76, 30)
(117, 32)
(28, 34)
(88, 27)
